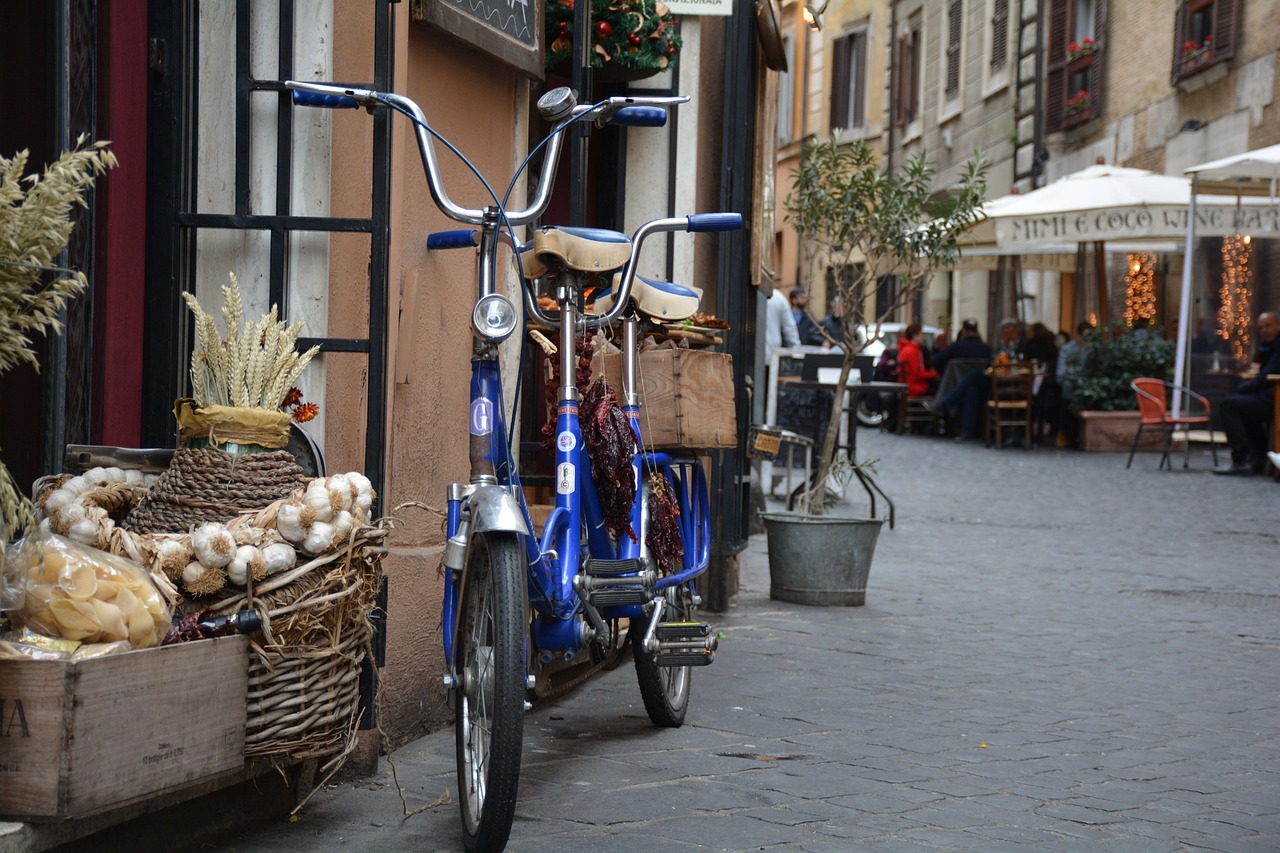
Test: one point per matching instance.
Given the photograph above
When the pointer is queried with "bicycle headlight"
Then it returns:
(494, 318)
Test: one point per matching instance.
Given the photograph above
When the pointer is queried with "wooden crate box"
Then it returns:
(77, 738)
(686, 396)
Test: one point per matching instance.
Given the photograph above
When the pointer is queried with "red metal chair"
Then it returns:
(1154, 408)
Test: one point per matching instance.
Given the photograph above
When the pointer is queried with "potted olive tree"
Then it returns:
(868, 223)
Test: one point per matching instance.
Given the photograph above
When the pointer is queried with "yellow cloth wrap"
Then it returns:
(231, 424)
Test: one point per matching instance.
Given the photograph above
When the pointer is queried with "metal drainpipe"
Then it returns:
(1037, 174)
(578, 150)
(891, 101)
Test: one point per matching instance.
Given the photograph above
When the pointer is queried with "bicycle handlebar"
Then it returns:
(462, 239)
(635, 111)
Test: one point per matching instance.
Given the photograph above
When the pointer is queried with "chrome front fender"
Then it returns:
(494, 508)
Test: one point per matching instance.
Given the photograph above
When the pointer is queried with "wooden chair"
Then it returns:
(1154, 408)
(1010, 403)
(911, 411)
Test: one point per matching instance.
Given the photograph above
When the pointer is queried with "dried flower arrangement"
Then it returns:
(35, 226)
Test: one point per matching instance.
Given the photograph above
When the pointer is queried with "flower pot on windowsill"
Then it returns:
(1196, 62)
(1077, 117)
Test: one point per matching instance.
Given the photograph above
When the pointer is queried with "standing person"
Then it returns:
(805, 325)
(833, 324)
(780, 326)
(921, 381)
(1246, 413)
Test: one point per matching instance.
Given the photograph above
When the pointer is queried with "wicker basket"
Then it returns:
(304, 672)
(304, 675)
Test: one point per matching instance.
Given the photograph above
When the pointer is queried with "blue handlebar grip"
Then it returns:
(715, 222)
(314, 99)
(640, 117)
(452, 240)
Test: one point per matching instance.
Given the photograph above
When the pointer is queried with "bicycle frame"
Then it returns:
(554, 559)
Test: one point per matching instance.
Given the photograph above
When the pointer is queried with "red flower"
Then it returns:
(306, 412)
(1088, 42)
(1073, 48)
(1208, 39)
(293, 398)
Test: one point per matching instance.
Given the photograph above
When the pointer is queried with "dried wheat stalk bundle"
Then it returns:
(35, 225)
(254, 366)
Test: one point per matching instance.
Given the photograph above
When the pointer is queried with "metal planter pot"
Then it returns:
(821, 560)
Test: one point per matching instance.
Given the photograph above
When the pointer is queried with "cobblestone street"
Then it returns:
(1055, 654)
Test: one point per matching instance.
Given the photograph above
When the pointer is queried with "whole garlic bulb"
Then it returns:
(247, 563)
(316, 499)
(340, 496)
(319, 538)
(214, 545)
(172, 557)
(289, 522)
(278, 557)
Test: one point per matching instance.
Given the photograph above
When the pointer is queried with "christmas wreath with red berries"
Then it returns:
(640, 35)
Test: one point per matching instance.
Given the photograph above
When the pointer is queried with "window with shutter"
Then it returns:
(912, 72)
(848, 80)
(955, 27)
(1074, 55)
(1205, 34)
(999, 35)
(786, 96)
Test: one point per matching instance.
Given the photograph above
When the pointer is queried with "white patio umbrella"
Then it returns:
(1254, 174)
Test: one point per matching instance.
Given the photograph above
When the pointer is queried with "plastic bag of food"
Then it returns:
(84, 594)
(13, 588)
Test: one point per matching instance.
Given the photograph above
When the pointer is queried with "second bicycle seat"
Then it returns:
(588, 250)
(663, 300)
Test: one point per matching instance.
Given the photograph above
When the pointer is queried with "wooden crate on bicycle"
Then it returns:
(686, 396)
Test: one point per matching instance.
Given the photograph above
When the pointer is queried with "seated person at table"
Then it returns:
(1071, 361)
(1247, 412)
(969, 345)
(970, 393)
(1010, 343)
(920, 380)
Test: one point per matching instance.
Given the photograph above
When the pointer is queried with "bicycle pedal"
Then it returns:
(619, 596)
(690, 657)
(611, 568)
(682, 630)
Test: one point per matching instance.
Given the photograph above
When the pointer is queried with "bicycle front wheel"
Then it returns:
(489, 698)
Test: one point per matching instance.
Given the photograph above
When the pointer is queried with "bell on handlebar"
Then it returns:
(557, 105)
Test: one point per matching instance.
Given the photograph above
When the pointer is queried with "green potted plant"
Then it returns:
(1101, 394)
(870, 223)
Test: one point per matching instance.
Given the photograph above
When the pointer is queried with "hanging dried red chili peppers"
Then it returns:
(663, 537)
(611, 446)
(582, 376)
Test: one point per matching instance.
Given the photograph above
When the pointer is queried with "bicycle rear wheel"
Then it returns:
(489, 699)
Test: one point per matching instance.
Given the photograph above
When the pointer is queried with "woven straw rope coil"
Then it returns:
(213, 485)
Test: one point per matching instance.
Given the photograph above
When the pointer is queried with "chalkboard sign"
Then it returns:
(511, 30)
(805, 412)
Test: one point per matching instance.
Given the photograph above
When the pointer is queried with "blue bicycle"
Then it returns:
(516, 600)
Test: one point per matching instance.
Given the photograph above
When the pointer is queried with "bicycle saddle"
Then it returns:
(589, 250)
(662, 299)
